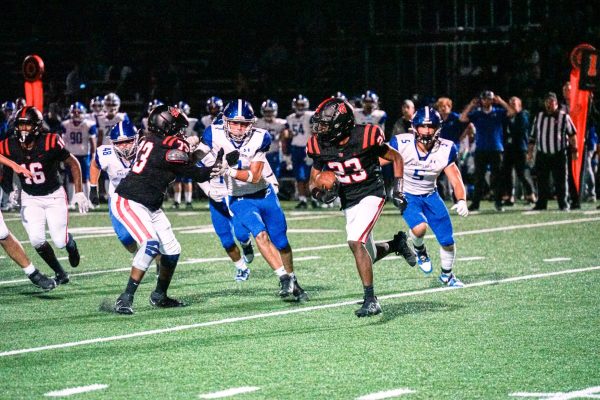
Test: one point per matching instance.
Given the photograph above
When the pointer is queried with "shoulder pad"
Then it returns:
(176, 156)
(372, 136)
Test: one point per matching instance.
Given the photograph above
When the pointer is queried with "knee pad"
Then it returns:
(3, 230)
(145, 254)
(37, 242)
(171, 248)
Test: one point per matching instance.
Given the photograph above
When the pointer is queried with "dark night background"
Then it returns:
(187, 50)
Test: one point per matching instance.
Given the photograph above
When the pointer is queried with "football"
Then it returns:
(325, 180)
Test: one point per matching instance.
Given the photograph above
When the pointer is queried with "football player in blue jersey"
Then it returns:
(253, 199)
(425, 156)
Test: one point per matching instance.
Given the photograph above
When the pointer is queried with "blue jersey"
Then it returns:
(452, 128)
(489, 128)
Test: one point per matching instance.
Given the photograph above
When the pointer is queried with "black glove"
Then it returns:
(326, 196)
(398, 197)
(232, 157)
(217, 168)
(94, 199)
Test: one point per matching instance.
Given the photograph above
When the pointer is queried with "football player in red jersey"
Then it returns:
(163, 154)
(353, 152)
(43, 198)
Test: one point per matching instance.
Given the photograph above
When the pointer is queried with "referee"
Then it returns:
(551, 129)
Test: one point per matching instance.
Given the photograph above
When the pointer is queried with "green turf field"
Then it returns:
(527, 323)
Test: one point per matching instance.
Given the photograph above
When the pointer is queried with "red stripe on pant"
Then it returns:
(67, 225)
(363, 237)
(121, 210)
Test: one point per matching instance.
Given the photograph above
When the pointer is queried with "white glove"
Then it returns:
(82, 202)
(192, 141)
(461, 208)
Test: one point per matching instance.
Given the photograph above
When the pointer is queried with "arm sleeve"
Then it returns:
(452, 155)
(207, 136)
(93, 130)
(58, 147)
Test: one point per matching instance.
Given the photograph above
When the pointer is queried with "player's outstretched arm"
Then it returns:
(455, 179)
(94, 177)
(16, 167)
(395, 157)
(73, 164)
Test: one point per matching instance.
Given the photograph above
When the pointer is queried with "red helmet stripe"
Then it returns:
(322, 104)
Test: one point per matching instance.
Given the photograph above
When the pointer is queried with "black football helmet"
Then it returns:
(333, 120)
(29, 123)
(167, 121)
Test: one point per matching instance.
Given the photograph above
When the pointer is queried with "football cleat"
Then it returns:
(61, 279)
(161, 300)
(124, 304)
(369, 308)
(301, 205)
(299, 294)
(175, 205)
(189, 206)
(242, 274)
(286, 285)
(401, 248)
(248, 252)
(424, 261)
(451, 280)
(74, 257)
(42, 281)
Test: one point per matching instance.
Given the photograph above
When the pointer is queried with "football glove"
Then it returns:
(219, 167)
(398, 197)
(461, 208)
(326, 196)
(94, 199)
(82, 202)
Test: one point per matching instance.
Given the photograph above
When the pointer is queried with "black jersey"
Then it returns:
(356, 163)
(42, 160)
(157, 162)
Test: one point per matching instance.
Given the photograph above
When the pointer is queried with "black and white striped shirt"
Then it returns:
(549, 132)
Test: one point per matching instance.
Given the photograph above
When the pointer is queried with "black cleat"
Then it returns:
(42, 281)
(62, 279)
(299, 294)
(401, 248)
(369, 308)
(74, 257)
(124, 304)
(301, 205)
(189, 206)
(248, 252)
(286, 284)
(161, 300)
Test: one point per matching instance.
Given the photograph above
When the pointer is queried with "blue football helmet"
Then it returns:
(214, 105)
(112, 102)
(429, 117)
(8, 106)
(124, 139)
(184, 107)
(340, 96)
(153, 104)
(369, 100)
(300, 104)
(96, 105)
(268, 109)
(238, 117)
(77, 111)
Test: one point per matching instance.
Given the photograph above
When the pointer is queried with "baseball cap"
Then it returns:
(550, 95)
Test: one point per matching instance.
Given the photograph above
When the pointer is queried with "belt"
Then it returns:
(261, 194)
(423, 195)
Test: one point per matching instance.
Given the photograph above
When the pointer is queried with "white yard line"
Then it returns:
(474, 258)
(229, 392)
(388, 394)
(287, 312)
(76, 390)
(589, 393)
(557, 259)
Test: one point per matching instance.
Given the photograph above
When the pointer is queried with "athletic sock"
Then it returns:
(241, 264)
(280, 271)
(30, 269)
(47, 253)
(177, 197)
(417, 241)
(369, 291)
(447, 258)
(188, 197)
(132, 286)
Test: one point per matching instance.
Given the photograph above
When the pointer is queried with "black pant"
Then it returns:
(515, 158)
(482, 160)
(573, 193)
(556, 164)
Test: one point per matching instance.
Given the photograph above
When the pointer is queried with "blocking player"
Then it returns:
(253, 200)
(13, 248)
(115, 160)
(162, 154)
(43, 198)
(426, 156)
(352, 152)
(79, 135)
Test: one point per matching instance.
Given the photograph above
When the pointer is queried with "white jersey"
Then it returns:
(105, 125)
(77, 136)
(108, 161)
(421, 170)
(253, 149)
(207, 120)
(275, 128)
(300, 128)
(377, 117)
(189, 131)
